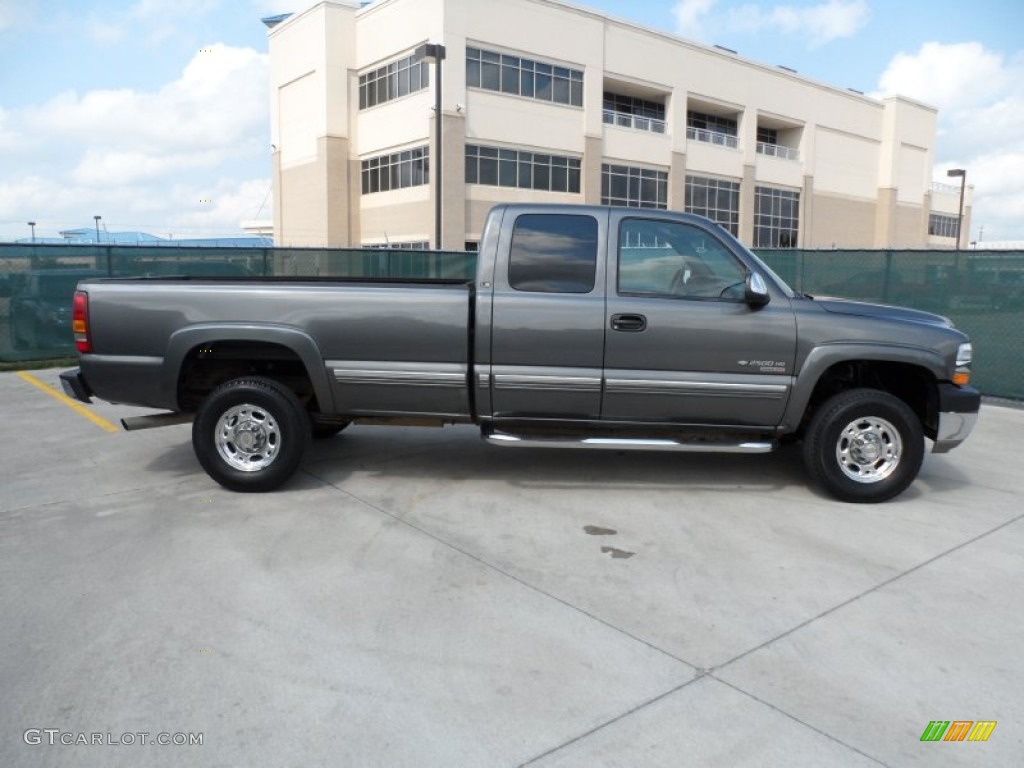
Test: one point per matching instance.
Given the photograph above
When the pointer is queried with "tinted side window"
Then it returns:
(553, 253)
(667, 258)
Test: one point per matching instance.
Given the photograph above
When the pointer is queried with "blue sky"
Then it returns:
(154, 113)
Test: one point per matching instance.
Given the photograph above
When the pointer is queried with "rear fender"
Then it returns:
(301, 343)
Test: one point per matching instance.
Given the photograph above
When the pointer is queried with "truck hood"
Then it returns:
(883, 311)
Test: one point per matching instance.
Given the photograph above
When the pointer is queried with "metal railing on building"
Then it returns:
(777, 150)
(712, 137)
(635, 122)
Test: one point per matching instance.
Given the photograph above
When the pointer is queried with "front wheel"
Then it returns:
(250, 434)
(864, 445)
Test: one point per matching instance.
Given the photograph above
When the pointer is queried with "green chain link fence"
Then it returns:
(981, 291)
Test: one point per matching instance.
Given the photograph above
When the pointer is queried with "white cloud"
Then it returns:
(947, 76)
(816, 24)
(690, 16)
(980, 96)
(143, 156)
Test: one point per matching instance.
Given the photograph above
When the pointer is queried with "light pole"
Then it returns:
(435, 52)
(97, 220)
(962, 174)
(32, 224)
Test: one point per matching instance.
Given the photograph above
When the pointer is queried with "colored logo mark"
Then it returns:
(958, 730)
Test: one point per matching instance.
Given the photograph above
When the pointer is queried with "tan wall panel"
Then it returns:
(303, 216)
(453, 209)
(909, 227)
(842, 222)
(403, 221)
(334, 150)
(476, 215)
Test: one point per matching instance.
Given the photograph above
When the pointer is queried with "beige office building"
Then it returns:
(543, 101)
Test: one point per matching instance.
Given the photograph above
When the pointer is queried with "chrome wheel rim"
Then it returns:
(869, 449)
(248, 437)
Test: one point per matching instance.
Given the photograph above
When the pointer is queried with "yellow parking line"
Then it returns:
(80, 409)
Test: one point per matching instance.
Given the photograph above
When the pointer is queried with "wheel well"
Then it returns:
(912, 384)
(206, 366)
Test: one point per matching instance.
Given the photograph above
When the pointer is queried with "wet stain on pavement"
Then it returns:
(597, 530)
(616, 553)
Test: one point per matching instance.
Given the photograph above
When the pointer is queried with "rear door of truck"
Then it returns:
(547, 314)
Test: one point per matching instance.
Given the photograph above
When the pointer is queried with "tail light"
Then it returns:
(80, 322)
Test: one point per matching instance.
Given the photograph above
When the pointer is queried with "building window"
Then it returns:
(523, 77)
(712, 129)
(767, 135)
(631, 112)
(942, 226)
(409, 168)
(392, 81)
(413, 245)
(717, 199)
(625, 185)
(776, 217)
(526, 170)
(553, 253)
(472, 246)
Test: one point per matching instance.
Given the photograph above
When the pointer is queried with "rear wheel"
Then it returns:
(864, 445)
(250, 434)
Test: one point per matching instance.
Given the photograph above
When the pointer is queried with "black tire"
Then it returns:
(250, 434)
(326, 431)
(864, 446)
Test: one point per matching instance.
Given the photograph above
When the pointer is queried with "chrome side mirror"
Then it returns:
(756, 291)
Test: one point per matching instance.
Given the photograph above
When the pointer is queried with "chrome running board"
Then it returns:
(631, 444)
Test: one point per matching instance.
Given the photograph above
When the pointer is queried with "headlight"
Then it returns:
(962, 374)
(964, 354)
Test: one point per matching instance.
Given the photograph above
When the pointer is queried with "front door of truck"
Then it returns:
(682, 345)
(547, 317)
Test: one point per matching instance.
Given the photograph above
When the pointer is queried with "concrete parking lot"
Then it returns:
(417, 598)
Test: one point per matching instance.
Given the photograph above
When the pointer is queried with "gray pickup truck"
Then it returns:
(585, 327)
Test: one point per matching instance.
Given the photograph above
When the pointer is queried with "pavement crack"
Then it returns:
(866, 592)
(611, 721)
(497, 569)
(797, 720)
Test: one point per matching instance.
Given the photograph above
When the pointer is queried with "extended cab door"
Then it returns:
(547, 315)
(682, 344)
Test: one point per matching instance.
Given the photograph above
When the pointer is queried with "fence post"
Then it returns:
(888, 277)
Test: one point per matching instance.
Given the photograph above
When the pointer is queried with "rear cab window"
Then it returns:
(553, 253)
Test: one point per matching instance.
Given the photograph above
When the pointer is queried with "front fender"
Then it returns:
(298, 341)
(823, 357)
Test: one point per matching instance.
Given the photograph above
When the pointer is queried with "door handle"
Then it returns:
(632, 323)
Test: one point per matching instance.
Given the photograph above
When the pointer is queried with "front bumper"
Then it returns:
(74, 385)
(958, 413)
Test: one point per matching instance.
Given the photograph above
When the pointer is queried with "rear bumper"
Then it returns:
(74, 385)
(958, 413)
